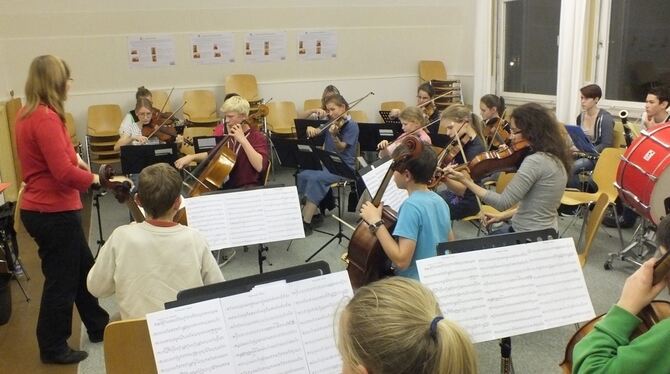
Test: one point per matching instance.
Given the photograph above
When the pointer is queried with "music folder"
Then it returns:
(134, 158)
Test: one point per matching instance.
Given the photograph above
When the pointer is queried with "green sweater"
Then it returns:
(607, 349)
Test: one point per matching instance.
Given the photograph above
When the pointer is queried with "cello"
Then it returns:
(366, 260)
(650, 315)
(120, 188)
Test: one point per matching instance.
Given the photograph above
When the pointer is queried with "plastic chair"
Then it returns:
(159, 99)
(429, 70)
(358, 116)
(127, 347)
(244, 85)
(593, 220)
(280, 117)
(389, 105)
(200, 107)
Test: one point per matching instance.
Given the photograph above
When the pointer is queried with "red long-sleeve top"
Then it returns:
(49, 163)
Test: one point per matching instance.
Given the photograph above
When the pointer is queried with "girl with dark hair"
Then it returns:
(491, 108)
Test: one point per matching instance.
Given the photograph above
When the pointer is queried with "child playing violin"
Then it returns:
(131, 132)
(249, 145)
(412, 119)
(423, 219)
(132, 117)
(424, 95)
(340, 138)
(608, 348)
(322, 112)
(146, 264)
(459, 121)
(496, 130)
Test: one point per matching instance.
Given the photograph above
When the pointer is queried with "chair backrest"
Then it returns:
(619, 138)
(104, 120)
(12, 108)
(128, 347)
(191, 132)
(71, 128)
(595, 217)
(159, 99)
(429, 70)
(604, 173)
(199, 104)
(244, 85)
(388, 105)
(280, 117)
(503, 181)
(358, 116)
(311, 104)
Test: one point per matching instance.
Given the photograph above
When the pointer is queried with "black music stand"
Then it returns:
(335, 165)
(134, 158)
(205, 143)
(246, 284)
(495, 241)
(372, 133)
(297, 153)
(302, 124)
(387, 117)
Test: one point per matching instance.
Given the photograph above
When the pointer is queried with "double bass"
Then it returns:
(365, 258)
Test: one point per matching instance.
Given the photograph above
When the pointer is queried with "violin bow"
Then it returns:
(415, 130)
(435, 98)
(351, 106)
(167, 119)
(167, 100)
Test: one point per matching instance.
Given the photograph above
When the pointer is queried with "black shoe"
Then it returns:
(95, 337)
(317, 220)
(308, 228)
(68, 357)
(610, 222)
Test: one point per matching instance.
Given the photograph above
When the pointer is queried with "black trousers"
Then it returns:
(66, 260)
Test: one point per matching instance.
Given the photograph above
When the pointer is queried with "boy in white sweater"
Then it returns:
(147, 263)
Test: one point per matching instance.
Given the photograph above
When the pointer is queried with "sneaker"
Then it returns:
(308, 228)
(70, 356)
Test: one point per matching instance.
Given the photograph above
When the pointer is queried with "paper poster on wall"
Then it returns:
(265, 46)
(213, 48)
(151, 51)
(317, 45)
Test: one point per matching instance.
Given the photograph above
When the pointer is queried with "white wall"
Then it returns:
(379, 46)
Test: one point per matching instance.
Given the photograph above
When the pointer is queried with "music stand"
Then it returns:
(297, 153)
(335, 165)
(439, 140)
(301, 125)
(495, 241)
(134, 158)
(387, 118)
(241, 285)
(372, 133)
(205, 143)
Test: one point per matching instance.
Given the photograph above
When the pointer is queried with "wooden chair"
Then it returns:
(358, 116)
(191, 132)
(619, 137)
(200, 108)
(280, 117)
(159, 99)
(593, 220)
(12, 108)
(311, 104)
(102, 132)
(429, 70)
(244, 85)
(500, 184)
(128, 349)
(388, 105)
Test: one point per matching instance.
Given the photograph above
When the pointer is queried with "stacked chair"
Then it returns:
(102, 133)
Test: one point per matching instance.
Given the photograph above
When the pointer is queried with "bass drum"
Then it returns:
(643, 176)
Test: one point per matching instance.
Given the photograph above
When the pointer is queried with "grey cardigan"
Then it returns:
(603, 130)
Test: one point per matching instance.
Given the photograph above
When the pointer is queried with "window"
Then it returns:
(637, 48)
(529, 49)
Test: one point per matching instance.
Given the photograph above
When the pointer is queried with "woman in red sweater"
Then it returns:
(50, 209)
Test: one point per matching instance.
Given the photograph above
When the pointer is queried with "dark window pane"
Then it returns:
(531, 48)
(639, 48)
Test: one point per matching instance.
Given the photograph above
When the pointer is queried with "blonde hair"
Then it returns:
(413, 114)
(386, 328)
(460, 113)
(236, 104)
(47, 84)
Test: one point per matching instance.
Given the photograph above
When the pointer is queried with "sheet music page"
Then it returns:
(263, 331)
(190, 338)
(393, 196)
(507, 291)
(236, 219)
(316, 301)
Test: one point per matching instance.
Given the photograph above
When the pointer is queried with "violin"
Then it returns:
(254, 119)
(652, 314)
(121, 190)
(159, 126)
(508, 159)
(495, 133)
(340, 121)
(365, 258)
(446, 157)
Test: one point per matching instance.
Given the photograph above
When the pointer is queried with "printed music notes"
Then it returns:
(274, 328)
(507, 291)
(234, 219)
(393, 196)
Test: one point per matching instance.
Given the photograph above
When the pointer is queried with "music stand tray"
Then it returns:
(334, 163)
(372, 133)
(134, 158)
(387, 118)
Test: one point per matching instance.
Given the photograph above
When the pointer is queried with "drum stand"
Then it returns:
(640, 248)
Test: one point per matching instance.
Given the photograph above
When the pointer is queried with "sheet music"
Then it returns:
(236, 219)
(264, 332)
(507, 291)
(191, 338)
(393, 196)
(316, 302)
